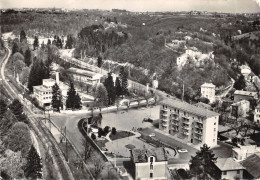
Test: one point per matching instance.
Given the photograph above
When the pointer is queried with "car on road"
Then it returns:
(182, 150)
(152, 135)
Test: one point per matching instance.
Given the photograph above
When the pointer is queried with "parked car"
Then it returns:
(182, 150)
(152, 135)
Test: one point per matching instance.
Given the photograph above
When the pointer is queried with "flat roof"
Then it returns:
(245, 93)
(81, 72)
(208, 85)
(42, 88)
(189, 108)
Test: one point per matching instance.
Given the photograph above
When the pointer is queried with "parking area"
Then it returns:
(133, 118)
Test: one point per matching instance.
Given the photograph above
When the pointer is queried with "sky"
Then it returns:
(230, 6)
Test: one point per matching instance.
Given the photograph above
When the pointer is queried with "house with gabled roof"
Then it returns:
(150, 163)
(230, 169)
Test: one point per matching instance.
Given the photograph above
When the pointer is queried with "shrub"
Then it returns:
(100, 132)
(106, 130)
(93, 136)
(113, 130)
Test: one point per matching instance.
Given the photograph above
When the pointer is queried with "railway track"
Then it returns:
(62, 169)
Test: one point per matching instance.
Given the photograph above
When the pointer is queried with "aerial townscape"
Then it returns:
(135, 92)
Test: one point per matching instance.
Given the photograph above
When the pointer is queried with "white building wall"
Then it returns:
(208, 92)
(232, 174)
(257, 115)
(210, 131)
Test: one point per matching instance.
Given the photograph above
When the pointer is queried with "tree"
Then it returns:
(7, 122)
(204, 162)
(11, 164)
(100, 132)
(15, 48)
(22, 36)
(24, 76)
(109, 84)
(118, 87)
(87, 148)
(69, 42)
(101, 96)
(98, 167)
(38, 72)
(73, 100)
(3, 107)
(113, 131)
(204, 100)
(56, 97)
(49, 42)
(19, 138)
(99, 60)
(16, 108)
(27, 57)
(33, 168)
(35, 43)
(124, 83)
(240, 83)
(93, 136)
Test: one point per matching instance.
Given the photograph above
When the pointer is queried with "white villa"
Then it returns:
(194, 55)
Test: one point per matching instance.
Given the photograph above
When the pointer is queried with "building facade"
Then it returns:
(257, 114)
(244, 95)
(43, 93)
(208, 91)
(240, 109)
(189, 123)
(229, 168)
(85, 76)
(150, 163)
(241, 153)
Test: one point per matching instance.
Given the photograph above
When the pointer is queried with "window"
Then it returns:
(151, 175)
(214, 129)
(214, 123)
(151, 159)
(238, 171)
(213, 140)
(224, 172)
(151, 167)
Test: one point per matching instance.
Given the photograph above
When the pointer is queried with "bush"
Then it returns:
(93, 136)
(100, 132)
(113, 130)
(106, 130)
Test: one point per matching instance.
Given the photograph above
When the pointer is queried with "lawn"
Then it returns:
(120, 135)
(101, 143)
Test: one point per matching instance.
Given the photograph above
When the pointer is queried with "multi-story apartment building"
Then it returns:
(150, 163)
(189, 123)
(208, 91)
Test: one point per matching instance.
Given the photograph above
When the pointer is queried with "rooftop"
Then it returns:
(240, 103)
(42, 88)
(252, 165)
(208, 85)
(245, 93)
(225, 164)
(81, 72)
(142, 155)
(247, 149)
(189, 108)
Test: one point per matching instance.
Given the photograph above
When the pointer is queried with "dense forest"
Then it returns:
(140, 40)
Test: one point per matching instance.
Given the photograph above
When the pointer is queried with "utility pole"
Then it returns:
(66, 144)
(182, 91)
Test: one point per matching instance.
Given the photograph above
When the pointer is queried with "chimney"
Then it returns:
(57, 78)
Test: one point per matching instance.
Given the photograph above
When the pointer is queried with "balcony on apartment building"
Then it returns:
(164, 111)
(176, 123)
(198, 132)
(199, 125)
(163, 123)
(185, 127)
(198, 137)
(175, 112)
(185, 121)
(185, 131)
(175, 129)
(199, 121)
